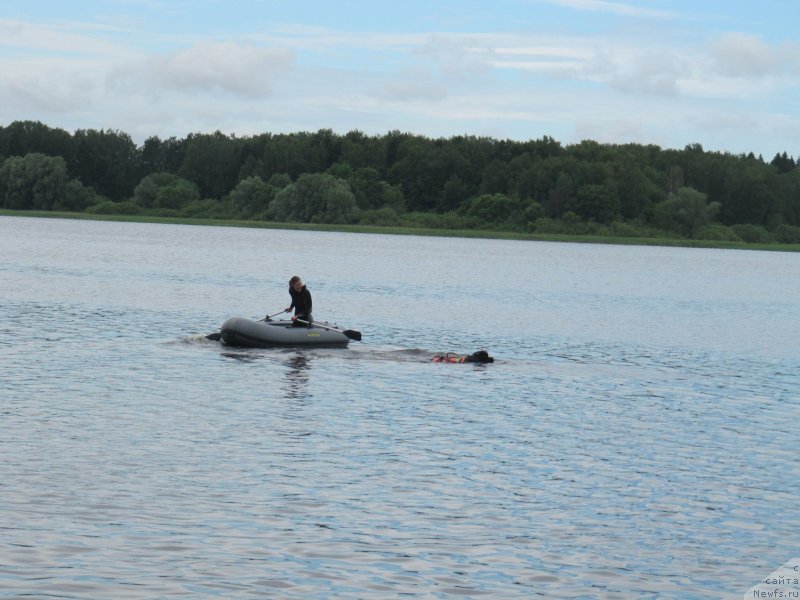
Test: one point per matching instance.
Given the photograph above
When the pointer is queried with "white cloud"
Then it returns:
(21, 38)
(741, 55)
(239, 69)
(654, 73)
(732, 66)
(622, 65)
(42, 86)
(554, 58)
(461, 56)
(50, 96)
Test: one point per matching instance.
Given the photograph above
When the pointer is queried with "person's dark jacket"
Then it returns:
(301, 303)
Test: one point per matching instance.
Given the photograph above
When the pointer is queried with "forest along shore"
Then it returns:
(462, 185)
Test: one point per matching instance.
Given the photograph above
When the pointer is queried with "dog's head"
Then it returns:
(481, 356)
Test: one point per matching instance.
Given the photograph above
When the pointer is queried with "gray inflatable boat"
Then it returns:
(238, 331)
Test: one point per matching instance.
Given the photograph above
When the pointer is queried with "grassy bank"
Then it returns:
(467, 233)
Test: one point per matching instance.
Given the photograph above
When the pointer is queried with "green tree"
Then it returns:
(595, 202)
(280, 180)
(495, 209)
(384, 217)
(422, 169)
(211, 161)
(748, 193)
(686, 212)
(783, 162)
(454, 194)
(637, 189)
(77, 197)
(315, 198)
(559, 196)
(787, 234)
(524, 181)
(158, 155)
(675, 179)
(326, 148)
(496, 177)
(367, 187)
(370, 191)
(107, 161)
(27, 137)
(32, 182)
(360, 150)
(391, 197)
(790, 197)
(532, 211)
(251, 197)
(165, 190)
(177, 195)
(342, 170)
(753, 234)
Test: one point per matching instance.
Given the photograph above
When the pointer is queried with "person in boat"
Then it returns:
(481, 356)
(301, 302)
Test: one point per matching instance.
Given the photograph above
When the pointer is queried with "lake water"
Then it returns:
(637, 436)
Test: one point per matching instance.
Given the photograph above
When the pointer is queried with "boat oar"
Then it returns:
(268, 317)
(350, 333)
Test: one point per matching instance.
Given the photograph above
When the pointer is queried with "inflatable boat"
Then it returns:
(238, 331)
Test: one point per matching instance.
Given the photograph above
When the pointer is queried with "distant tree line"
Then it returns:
(462, 182)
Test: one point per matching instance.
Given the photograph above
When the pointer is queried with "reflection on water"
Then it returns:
(636, 436)
(241, 356)
(297, 375)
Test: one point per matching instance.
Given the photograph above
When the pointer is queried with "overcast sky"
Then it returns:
(721, 73)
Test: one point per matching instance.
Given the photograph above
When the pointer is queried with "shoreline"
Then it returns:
(374, 229)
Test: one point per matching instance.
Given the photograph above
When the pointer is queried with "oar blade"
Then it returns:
(214, 337)
(350, 333)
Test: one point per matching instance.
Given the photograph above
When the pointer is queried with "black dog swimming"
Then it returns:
(481, 356)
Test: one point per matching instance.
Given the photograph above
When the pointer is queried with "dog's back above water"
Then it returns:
(481, 356)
